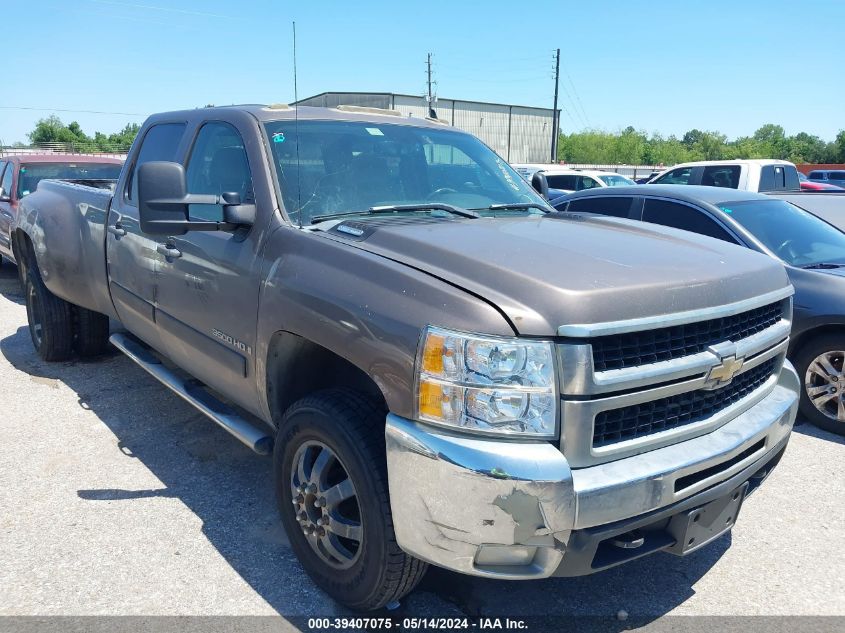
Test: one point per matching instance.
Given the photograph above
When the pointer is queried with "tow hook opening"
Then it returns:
(628, 540)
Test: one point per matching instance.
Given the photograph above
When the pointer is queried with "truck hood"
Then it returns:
(545, 272)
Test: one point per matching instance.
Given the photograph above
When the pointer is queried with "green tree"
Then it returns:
(839, 148)
(53, 130)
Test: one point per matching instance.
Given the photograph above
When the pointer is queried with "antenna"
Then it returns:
(296, 131)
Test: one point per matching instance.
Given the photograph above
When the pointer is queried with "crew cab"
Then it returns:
(21, 173)
(443, 374)
(749, 175)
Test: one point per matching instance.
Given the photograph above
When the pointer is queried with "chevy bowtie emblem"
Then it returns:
(721, 374)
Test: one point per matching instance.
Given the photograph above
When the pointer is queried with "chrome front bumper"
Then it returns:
(507, 509)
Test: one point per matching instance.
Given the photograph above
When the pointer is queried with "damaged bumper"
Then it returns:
(516, 510)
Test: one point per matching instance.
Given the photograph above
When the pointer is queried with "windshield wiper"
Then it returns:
(398, 208)
(515, 206)
(822, 265)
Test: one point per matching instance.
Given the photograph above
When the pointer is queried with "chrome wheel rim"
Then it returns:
(825, 384)
(326, 505)
(35, 325)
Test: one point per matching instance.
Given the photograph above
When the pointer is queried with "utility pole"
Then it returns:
(555, 121)
(430, 97)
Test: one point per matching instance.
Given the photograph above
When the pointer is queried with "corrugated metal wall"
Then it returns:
(517, 133)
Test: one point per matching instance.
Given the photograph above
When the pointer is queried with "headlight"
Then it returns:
(502, 386)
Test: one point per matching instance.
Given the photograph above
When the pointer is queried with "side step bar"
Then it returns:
(193, 392)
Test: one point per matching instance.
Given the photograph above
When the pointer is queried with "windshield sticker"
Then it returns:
(279, 137)
(726, 210)
(23, 170)
(374, 131)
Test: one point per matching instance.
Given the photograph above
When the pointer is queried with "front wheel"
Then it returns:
(331, 486)
(821, 367)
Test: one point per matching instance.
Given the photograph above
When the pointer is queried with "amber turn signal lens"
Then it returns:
(431, 400)
(432, 362)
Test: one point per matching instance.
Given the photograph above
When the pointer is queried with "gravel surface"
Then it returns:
(118, 498)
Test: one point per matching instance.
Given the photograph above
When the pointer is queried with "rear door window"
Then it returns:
(836, 175)
(679, 176)
(616, 206)
(778, 178)
(161, 142)
(685, 217)
(721, 176)
(816, 175)
(561, 181)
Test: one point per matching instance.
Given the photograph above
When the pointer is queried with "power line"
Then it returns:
(577, 98)
(71, 111)
(149, 7)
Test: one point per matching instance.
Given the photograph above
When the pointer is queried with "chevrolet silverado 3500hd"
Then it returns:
(442, 374)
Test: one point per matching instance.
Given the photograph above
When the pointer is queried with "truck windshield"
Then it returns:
(33, 173)
(797, 237)
(349, 166)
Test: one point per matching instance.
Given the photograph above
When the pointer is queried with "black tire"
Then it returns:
(352, 428)
(92, 333)
(809, 352)
(50, 320)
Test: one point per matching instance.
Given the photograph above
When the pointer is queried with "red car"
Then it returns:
(20, 175)
(809, 185)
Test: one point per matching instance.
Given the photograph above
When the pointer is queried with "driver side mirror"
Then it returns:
(540, 184)
(163, 203)
(4, 197)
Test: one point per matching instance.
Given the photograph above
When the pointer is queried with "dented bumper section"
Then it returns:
(516, 510)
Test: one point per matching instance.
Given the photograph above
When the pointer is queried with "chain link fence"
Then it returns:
(87, 149)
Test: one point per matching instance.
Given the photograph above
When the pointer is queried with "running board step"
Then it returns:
(193, 392)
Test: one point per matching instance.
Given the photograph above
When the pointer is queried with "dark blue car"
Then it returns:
(812, 251)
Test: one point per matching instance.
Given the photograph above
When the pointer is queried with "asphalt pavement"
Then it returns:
(117, 498)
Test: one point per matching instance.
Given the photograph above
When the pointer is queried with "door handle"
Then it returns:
(117, 230)
(168, 251)
(8, 215)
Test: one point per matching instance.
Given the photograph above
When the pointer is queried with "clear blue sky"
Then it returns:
(660, 66)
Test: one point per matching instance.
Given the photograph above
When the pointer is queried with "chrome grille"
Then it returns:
(631, 422)
(633, 349)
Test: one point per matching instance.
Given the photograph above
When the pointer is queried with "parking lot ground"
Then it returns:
(118, 498)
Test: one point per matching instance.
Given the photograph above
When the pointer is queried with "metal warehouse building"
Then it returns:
(520, 134)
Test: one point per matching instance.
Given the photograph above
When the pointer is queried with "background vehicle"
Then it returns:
(480, 393)
(828, 176)
(20, 175)
(812, 250)
(563, 180)
(748, 175)
(642, 181)
(816, 185)
(828, 205)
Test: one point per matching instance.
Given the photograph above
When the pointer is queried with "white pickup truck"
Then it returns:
(762, 175)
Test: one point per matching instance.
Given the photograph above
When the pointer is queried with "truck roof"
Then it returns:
(688, 193)
(277, 112)
(738, 161)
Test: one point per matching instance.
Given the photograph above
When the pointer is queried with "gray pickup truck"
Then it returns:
(442, 374)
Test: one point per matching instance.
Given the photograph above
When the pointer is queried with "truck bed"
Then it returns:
(71, 254)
